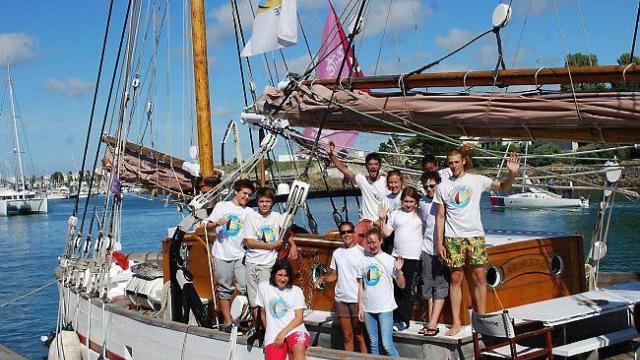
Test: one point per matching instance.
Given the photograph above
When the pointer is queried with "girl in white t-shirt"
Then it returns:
(281, 308)
(391, 202)
(345, 264)
(407, 226)
(375, 303)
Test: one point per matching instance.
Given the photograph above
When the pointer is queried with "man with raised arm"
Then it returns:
(460, 235)
(373, 188)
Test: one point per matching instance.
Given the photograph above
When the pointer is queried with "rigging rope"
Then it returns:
(93, 107)
(635, 33)
(106, 111)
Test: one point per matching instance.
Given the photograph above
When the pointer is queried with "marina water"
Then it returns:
(30, 245)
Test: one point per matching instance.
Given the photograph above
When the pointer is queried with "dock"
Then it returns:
(8, 354)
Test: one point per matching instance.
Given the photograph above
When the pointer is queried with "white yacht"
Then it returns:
(21, 203)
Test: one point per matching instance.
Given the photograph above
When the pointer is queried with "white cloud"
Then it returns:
(454, 39)
(72, 86)
(297, 65)
(487, 56)
(405, 14)
(220, 111)
(16, 48)
(221, 23)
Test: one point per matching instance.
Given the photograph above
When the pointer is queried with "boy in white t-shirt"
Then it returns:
(373, 188)
(464, 244)
(261, 240)
(227, 219)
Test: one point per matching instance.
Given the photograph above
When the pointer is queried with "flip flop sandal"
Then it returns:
(423, 330)
(431, 332)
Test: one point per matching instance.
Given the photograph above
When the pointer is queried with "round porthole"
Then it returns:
(494, 276)
(557, 265)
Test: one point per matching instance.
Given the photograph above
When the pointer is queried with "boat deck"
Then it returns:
(8, 354)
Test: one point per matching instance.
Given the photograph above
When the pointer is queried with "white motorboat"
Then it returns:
(58, 193)
(21, 203)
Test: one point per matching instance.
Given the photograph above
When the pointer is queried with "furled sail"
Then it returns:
(150, 168)
(610, 117)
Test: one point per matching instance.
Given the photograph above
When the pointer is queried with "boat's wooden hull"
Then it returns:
(526, 271)
(524, 267)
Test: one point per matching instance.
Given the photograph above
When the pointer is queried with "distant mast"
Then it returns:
(15, 132)
(201, 81)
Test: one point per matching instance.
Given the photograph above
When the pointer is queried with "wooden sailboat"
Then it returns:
(524, 267)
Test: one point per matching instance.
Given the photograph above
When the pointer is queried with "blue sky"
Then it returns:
(54, 48)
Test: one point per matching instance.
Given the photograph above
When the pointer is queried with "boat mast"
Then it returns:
(201, 80)
(15, 132)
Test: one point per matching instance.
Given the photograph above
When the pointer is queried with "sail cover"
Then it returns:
(602, 117)
(150, 168)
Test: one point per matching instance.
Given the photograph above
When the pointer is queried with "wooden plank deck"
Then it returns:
(8, 354)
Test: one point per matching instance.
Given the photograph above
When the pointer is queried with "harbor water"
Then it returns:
(30, 245)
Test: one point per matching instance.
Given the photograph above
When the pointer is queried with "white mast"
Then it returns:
(15, 133)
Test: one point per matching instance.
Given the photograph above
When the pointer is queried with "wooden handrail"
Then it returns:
(540, 76)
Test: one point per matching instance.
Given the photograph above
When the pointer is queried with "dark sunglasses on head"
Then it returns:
(345, 232)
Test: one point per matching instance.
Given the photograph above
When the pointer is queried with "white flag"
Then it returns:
(275, 27)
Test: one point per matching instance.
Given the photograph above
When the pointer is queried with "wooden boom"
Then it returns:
(541, 76)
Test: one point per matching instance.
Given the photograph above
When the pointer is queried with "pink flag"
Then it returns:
(344, 139)
(333, 49)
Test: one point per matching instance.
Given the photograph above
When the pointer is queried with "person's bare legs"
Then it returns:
(225, 309)
(358, 333)
(347, 332)
(435, 310)
(455, 295)
(299, 352)
(479, 288)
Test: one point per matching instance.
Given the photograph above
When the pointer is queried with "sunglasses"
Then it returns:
(432, 186)
(346, 232)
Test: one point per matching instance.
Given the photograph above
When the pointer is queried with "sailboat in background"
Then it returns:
(533, 197)
(20, 200)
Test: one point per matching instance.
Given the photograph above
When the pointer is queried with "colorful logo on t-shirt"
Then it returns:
(460, 196)
(233, 227)
(278, 308)
(267, 234)
(373, 275)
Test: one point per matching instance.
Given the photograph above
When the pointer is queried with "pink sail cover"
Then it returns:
(344, 139)
(332, 51)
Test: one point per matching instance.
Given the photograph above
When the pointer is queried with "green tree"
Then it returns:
(623, 60)
(580, 59)
(543, 149)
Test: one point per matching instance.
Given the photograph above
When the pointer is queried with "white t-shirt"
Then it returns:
(407, 240)
(373, 194)
(461, 198)
(262, 228)
(377, 273)
(391, 202)
(445, 174)
(228, 244)
(279, 306)
(346, 261)
(428, 212)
